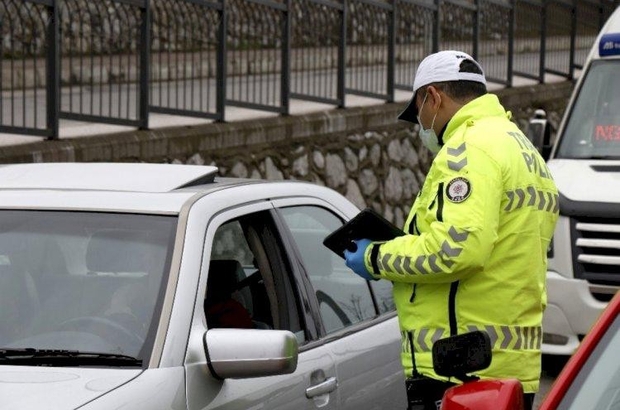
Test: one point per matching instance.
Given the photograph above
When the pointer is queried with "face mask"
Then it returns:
(428, 136)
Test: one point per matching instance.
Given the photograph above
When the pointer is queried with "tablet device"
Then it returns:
(368, 224)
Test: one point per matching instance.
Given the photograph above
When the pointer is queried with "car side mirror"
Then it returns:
(246, 353)
(539, 133)
(459, 355)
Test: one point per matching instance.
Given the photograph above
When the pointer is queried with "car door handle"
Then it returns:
(327, 386)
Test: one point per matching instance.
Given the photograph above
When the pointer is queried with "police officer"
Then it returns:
(475, 253)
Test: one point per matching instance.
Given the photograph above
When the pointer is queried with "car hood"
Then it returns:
(587, 180)
(23, 387)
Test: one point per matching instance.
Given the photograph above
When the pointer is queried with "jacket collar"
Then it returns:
(487, 105)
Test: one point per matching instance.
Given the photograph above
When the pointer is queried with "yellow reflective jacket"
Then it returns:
(475, 256)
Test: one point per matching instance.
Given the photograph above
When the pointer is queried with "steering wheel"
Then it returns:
(111, 331)
(323, 297)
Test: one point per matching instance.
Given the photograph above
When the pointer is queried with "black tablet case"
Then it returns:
(368, 224)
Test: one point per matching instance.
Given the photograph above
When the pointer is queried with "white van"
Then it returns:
(584, 260)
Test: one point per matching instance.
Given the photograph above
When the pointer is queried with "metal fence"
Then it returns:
(117, 61)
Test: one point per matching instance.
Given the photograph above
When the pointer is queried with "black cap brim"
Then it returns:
(410, 114)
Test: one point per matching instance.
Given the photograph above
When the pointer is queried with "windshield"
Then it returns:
(597, 386)
(593, 127)
(82, 281)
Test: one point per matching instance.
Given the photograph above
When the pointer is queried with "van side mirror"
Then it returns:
(539, 132)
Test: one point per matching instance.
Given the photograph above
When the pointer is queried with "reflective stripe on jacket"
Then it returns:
(475, 256)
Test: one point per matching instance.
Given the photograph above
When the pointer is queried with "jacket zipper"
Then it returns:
(412, 298)
(439, 200)
(433, 203)
(412, 226)
(454, 286)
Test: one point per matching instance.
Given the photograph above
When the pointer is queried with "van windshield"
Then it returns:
(82, 281)
(593, 128)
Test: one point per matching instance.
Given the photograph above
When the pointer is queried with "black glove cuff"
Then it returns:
(374, 252)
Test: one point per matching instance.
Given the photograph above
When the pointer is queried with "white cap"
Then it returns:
(436, 68)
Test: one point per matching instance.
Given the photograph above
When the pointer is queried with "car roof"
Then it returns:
(109, 187)
(130, 187)
(128, 177)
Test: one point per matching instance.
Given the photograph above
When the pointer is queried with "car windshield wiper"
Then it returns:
(56, 357)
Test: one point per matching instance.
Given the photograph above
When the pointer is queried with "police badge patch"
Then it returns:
(458, 189)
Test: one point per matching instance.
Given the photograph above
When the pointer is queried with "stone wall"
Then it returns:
(363, 152)
(383, 168)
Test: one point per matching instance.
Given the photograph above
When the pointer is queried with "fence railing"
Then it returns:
(117, 61)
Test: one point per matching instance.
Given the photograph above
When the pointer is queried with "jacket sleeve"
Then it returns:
(463, 222)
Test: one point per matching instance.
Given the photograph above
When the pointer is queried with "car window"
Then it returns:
(248, 284)
(343, 297)
(597, 386)
(82, 281)
(382, 290)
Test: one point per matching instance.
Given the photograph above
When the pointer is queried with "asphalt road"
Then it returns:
(551, 367)
(545, 384)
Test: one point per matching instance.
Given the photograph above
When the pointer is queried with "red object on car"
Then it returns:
(589, 380)
(484, 395)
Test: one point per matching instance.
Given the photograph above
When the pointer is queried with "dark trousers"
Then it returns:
(528, 401)
(426, 394)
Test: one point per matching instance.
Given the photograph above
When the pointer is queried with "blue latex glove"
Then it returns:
(355, 259)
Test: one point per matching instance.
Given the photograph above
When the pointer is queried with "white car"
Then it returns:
(155, 286)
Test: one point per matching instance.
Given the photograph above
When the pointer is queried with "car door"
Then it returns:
(245, 237)
(358, 322)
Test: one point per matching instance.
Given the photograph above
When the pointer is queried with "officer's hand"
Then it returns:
(355, 259)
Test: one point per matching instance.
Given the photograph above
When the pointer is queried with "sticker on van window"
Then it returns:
(606, 133)
(609, 45)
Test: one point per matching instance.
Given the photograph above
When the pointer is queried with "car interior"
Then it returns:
(230, 297)
(115, 260)
(88, 283)
(248, 278)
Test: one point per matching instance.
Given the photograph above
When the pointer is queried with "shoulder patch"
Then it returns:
(458, 189)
